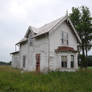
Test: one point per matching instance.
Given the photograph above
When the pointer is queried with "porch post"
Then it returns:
(68, 61)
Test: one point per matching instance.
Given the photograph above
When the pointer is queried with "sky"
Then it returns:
(17, 15)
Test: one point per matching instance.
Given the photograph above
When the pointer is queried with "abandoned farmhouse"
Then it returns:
(51, 47)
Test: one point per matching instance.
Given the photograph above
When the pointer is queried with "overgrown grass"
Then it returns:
(12, 80)
(90, 67)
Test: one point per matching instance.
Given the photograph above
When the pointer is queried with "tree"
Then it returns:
(81, 19)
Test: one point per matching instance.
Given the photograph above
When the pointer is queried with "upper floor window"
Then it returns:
(31, 39)
(64, 38)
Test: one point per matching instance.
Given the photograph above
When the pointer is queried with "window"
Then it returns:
(64, 61)
(64, 38)
(24, 61)
(72, 61)
(31, 39)
(67, 38)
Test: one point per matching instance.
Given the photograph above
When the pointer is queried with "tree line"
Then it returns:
(82, 21)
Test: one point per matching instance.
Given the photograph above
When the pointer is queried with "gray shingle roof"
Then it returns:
(22, 40)
(46, 28)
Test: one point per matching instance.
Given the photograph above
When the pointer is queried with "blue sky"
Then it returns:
(17, 15)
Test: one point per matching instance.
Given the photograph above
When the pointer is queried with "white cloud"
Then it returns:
(17, 15)
(17, 10)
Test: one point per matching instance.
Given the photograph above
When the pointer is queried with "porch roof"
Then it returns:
(65, 49)
(16, 52)
(22, 41)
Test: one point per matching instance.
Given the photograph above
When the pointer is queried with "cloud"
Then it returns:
(17, 15)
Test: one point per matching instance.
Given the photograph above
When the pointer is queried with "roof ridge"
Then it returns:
(46, 27)
(51, 22)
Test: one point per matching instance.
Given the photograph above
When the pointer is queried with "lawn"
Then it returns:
(12, 80)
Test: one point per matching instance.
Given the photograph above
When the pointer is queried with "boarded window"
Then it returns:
(24, 61)
(64, 61)
(72, 61)
(64, 38)
(31, 39)
(67, 39)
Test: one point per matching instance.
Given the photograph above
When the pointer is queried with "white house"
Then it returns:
(51, 47)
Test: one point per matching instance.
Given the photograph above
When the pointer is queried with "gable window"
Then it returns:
(72, 61)
(64, 38)
(64, 61)
(31, 39)
(67, 38)
(24, 61)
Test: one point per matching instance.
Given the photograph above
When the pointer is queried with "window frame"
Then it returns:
(64, 38)
(72, 61)
(31, 39)
(63, 62)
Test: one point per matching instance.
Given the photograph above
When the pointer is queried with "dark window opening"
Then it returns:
(64, 64)
(64, 61)
(67, 38)
(72, 61)
(62, 38)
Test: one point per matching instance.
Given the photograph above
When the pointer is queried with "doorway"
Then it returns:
(38, 62)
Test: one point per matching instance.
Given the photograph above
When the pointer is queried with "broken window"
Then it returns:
(72, 61)
(64, 38)
(64, 61)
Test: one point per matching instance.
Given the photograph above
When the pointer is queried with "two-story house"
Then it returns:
(48, 48)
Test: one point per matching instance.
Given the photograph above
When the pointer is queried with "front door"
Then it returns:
(38, 62)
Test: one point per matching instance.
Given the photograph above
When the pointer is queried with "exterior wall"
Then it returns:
(55, 37)
(15, 60)
(55, 42)
(45, 46)
(23, 52)
(39, 46)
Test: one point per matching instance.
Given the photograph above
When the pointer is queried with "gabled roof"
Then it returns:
(47, 27)
(33, 29)
(22, 41)
(76, 33)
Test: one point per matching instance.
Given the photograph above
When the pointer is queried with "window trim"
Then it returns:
(72, 61)
(64, 63)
